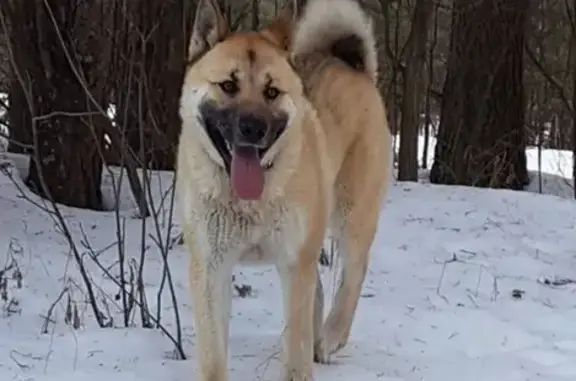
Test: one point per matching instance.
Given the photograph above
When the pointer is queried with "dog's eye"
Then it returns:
(271, 93)
(229, 87)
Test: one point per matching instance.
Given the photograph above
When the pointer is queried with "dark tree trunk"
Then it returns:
(573, 145)
(428, 103)
(255, 14)
(70, 162)
(19, 121)
(481, 138)
(151, 60)
(413, 91)
(66, 165)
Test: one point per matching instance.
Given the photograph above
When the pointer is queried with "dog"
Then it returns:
(284, 138)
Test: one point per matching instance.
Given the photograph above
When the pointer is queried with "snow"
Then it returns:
(464, 284)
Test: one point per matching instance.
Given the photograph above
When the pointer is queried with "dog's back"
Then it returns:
(332, 48)
(334, 51)
(332, 45)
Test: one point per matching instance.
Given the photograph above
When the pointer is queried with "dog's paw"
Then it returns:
(322, 352)
(298, 375)
(331, 342)
(319, 356)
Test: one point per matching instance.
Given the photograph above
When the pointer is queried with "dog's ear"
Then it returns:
(292, 10)
(210, 27)
(281, 29)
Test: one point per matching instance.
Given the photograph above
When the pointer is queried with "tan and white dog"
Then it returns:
(284, 136)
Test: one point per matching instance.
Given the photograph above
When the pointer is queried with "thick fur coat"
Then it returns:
(284, 136)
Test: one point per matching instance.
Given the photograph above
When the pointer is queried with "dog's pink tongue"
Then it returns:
(247, 174)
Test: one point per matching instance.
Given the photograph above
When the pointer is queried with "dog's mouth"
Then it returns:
(226, 148)
(242, 161)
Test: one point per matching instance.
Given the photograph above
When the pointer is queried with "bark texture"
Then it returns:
(481, 137)
(151, 59)
(49, 103)
(414, 90)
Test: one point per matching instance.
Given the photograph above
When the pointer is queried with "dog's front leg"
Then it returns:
(298, 280)
(210, 277)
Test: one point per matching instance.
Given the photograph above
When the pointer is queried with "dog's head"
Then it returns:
(240, 97)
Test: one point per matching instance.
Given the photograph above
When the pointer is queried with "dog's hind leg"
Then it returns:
(353, 246)
(210, 277)
(355, 222)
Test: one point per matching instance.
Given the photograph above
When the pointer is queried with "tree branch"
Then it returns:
(550, 78)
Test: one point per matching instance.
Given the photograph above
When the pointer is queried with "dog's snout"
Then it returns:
(252, 129)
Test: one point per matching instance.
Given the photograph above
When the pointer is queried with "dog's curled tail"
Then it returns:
(339, 28)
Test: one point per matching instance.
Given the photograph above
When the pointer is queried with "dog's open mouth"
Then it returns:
(225, 148)
(242, 163)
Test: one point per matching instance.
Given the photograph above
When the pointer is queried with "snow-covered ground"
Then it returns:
(464, 284)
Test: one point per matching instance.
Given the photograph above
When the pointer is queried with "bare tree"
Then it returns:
(52, 52)
(150, 39)
(481, 138)
(572, 19)
(428, 103)
(19, 118)
(255, 5)
(414, 89)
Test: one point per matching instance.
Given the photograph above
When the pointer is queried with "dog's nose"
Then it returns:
(252, 130)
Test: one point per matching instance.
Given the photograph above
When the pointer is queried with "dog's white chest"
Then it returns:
(262, 237)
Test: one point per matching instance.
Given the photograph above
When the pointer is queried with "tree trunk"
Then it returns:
(151, 61)
(255, 14)
(66, 165)
(19, 121)
(392, 48)
(428, 102)
(70, 162)
(414, 89)
(481, 139)
(574, 100)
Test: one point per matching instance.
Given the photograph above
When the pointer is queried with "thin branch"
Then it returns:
(177, 344)
(111, 131)
(550, 78)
